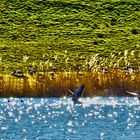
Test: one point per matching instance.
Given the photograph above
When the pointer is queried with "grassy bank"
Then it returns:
(68, 34)
(108, 83)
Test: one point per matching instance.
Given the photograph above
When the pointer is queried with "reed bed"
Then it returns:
(110, 76)
(113, 82)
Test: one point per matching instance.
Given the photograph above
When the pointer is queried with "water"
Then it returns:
(100, 118)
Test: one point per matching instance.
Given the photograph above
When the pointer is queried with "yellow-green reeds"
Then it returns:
(56, 84)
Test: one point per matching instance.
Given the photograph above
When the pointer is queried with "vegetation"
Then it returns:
(97, 42)
(108, 83)
(68, 34)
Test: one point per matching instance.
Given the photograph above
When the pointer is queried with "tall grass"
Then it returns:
(113, 75)
(109, 83)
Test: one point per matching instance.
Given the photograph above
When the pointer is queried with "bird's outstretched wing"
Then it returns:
(75, 96)
(134, 94)
(71, 93)
(80, 90)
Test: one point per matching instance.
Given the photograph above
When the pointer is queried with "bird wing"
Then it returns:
(71, 93)
(80, 91)
(133, 93)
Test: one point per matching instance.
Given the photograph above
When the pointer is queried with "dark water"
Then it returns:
(100, 118)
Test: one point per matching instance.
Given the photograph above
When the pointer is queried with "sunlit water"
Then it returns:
(99, 118)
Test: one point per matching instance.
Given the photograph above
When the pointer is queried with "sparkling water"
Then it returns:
(98, 118)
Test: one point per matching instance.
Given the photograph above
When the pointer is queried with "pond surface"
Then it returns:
(99, 118)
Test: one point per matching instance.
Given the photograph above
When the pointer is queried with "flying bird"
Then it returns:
(76, 95)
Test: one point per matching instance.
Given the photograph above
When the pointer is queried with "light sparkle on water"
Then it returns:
(51, 118)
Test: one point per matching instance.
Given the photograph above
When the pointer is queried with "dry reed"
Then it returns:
(113, 82)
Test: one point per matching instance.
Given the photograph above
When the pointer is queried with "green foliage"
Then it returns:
(46, 29)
